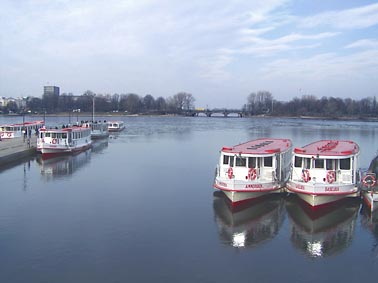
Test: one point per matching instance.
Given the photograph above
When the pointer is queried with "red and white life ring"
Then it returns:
(230, 173)
(54, 141)
(252, 174)
(369, 181)
(331, 176)
(9, 135)
(306, 175)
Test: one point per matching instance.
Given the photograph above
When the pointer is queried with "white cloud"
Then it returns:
(364, 43)
(355, 18)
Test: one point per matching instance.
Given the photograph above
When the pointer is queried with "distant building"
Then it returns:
(51, 90)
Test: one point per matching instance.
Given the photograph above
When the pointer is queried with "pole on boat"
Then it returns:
(93, 108)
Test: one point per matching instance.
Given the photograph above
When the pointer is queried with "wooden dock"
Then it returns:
(14, 149)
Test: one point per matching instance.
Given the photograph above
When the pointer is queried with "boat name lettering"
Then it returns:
(299, 187)
(332, 189)
(253, 186)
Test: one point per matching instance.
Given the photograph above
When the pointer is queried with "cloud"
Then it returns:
(364, 43)
(355, 18)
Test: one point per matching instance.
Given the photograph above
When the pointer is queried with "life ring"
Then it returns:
(369, 180)
(331, 177)
(252, 174)
(306, 175)
(9, 135)
(54, 141)
(230, 173)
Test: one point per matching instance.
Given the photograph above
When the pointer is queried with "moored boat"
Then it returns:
(116, 126)
(99, 129)
(10, 131)
(253, 169)
(369, 187)
(325, 171)
(52, 142)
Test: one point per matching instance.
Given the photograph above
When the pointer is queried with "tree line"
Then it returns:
(130, 103)
(263, 103)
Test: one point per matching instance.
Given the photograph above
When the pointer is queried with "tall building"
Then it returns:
(51, 90)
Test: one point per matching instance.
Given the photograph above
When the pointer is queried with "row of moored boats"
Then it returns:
(320, 173)
(62, 140)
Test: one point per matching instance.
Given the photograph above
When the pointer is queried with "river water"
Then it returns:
(140, 207)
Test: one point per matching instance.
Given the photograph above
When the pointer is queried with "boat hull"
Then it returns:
(243, 191)
(321, 194)
(49, 152)
(371, 200)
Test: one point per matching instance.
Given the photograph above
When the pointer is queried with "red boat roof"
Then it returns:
(329, 147)
(68, 129)
(260, 146)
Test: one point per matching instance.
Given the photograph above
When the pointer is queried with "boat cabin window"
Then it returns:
(307, 163)
(345, 164)
(252, 162)
(241, 161)
(298, 161)
(225, 159)
(319, 163)
(47, 135)
(268, 161)
(330, 164)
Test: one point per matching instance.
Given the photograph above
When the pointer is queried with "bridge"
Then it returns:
(210, 112)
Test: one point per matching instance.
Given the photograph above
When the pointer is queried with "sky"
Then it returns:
(220, 51)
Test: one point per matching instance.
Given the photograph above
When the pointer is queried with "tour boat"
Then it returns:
(115, 126)
(11, 131)
(51, 142)
(99, 130)
(325, 171)
(253, 169)
(369, 188)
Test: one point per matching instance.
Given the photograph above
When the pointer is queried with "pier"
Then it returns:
(17, 148)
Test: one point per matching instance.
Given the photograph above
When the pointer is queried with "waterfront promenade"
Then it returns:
(13, 149)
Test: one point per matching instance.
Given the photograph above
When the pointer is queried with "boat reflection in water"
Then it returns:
(369, 220)
(249, 224)
(323, 232)
(68, 164)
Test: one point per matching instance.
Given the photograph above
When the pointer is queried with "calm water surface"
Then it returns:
(140, 207)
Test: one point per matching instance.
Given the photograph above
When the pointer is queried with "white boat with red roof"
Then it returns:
(66, 140)
(10, 131)
(325, 171)
(253, 169)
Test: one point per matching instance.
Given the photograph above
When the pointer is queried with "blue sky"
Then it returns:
(218, 50)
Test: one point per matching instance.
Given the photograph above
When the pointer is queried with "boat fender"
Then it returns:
(331, 177)
(306, 175)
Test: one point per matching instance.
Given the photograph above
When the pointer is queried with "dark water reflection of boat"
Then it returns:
(67, 165)
(324, 232)
(369, 220)
(250, 224)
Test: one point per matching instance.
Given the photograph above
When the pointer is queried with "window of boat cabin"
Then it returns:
(331, 164)
(252, 162)
(241, 161)
(345, 164)
(307, 163)
(227, 159)
(297, 161)
(47, 135)
(319, 163)
(268, 161)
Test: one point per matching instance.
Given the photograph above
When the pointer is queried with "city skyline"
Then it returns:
(219, 51)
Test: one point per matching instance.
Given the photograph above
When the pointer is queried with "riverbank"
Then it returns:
(15, 149)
